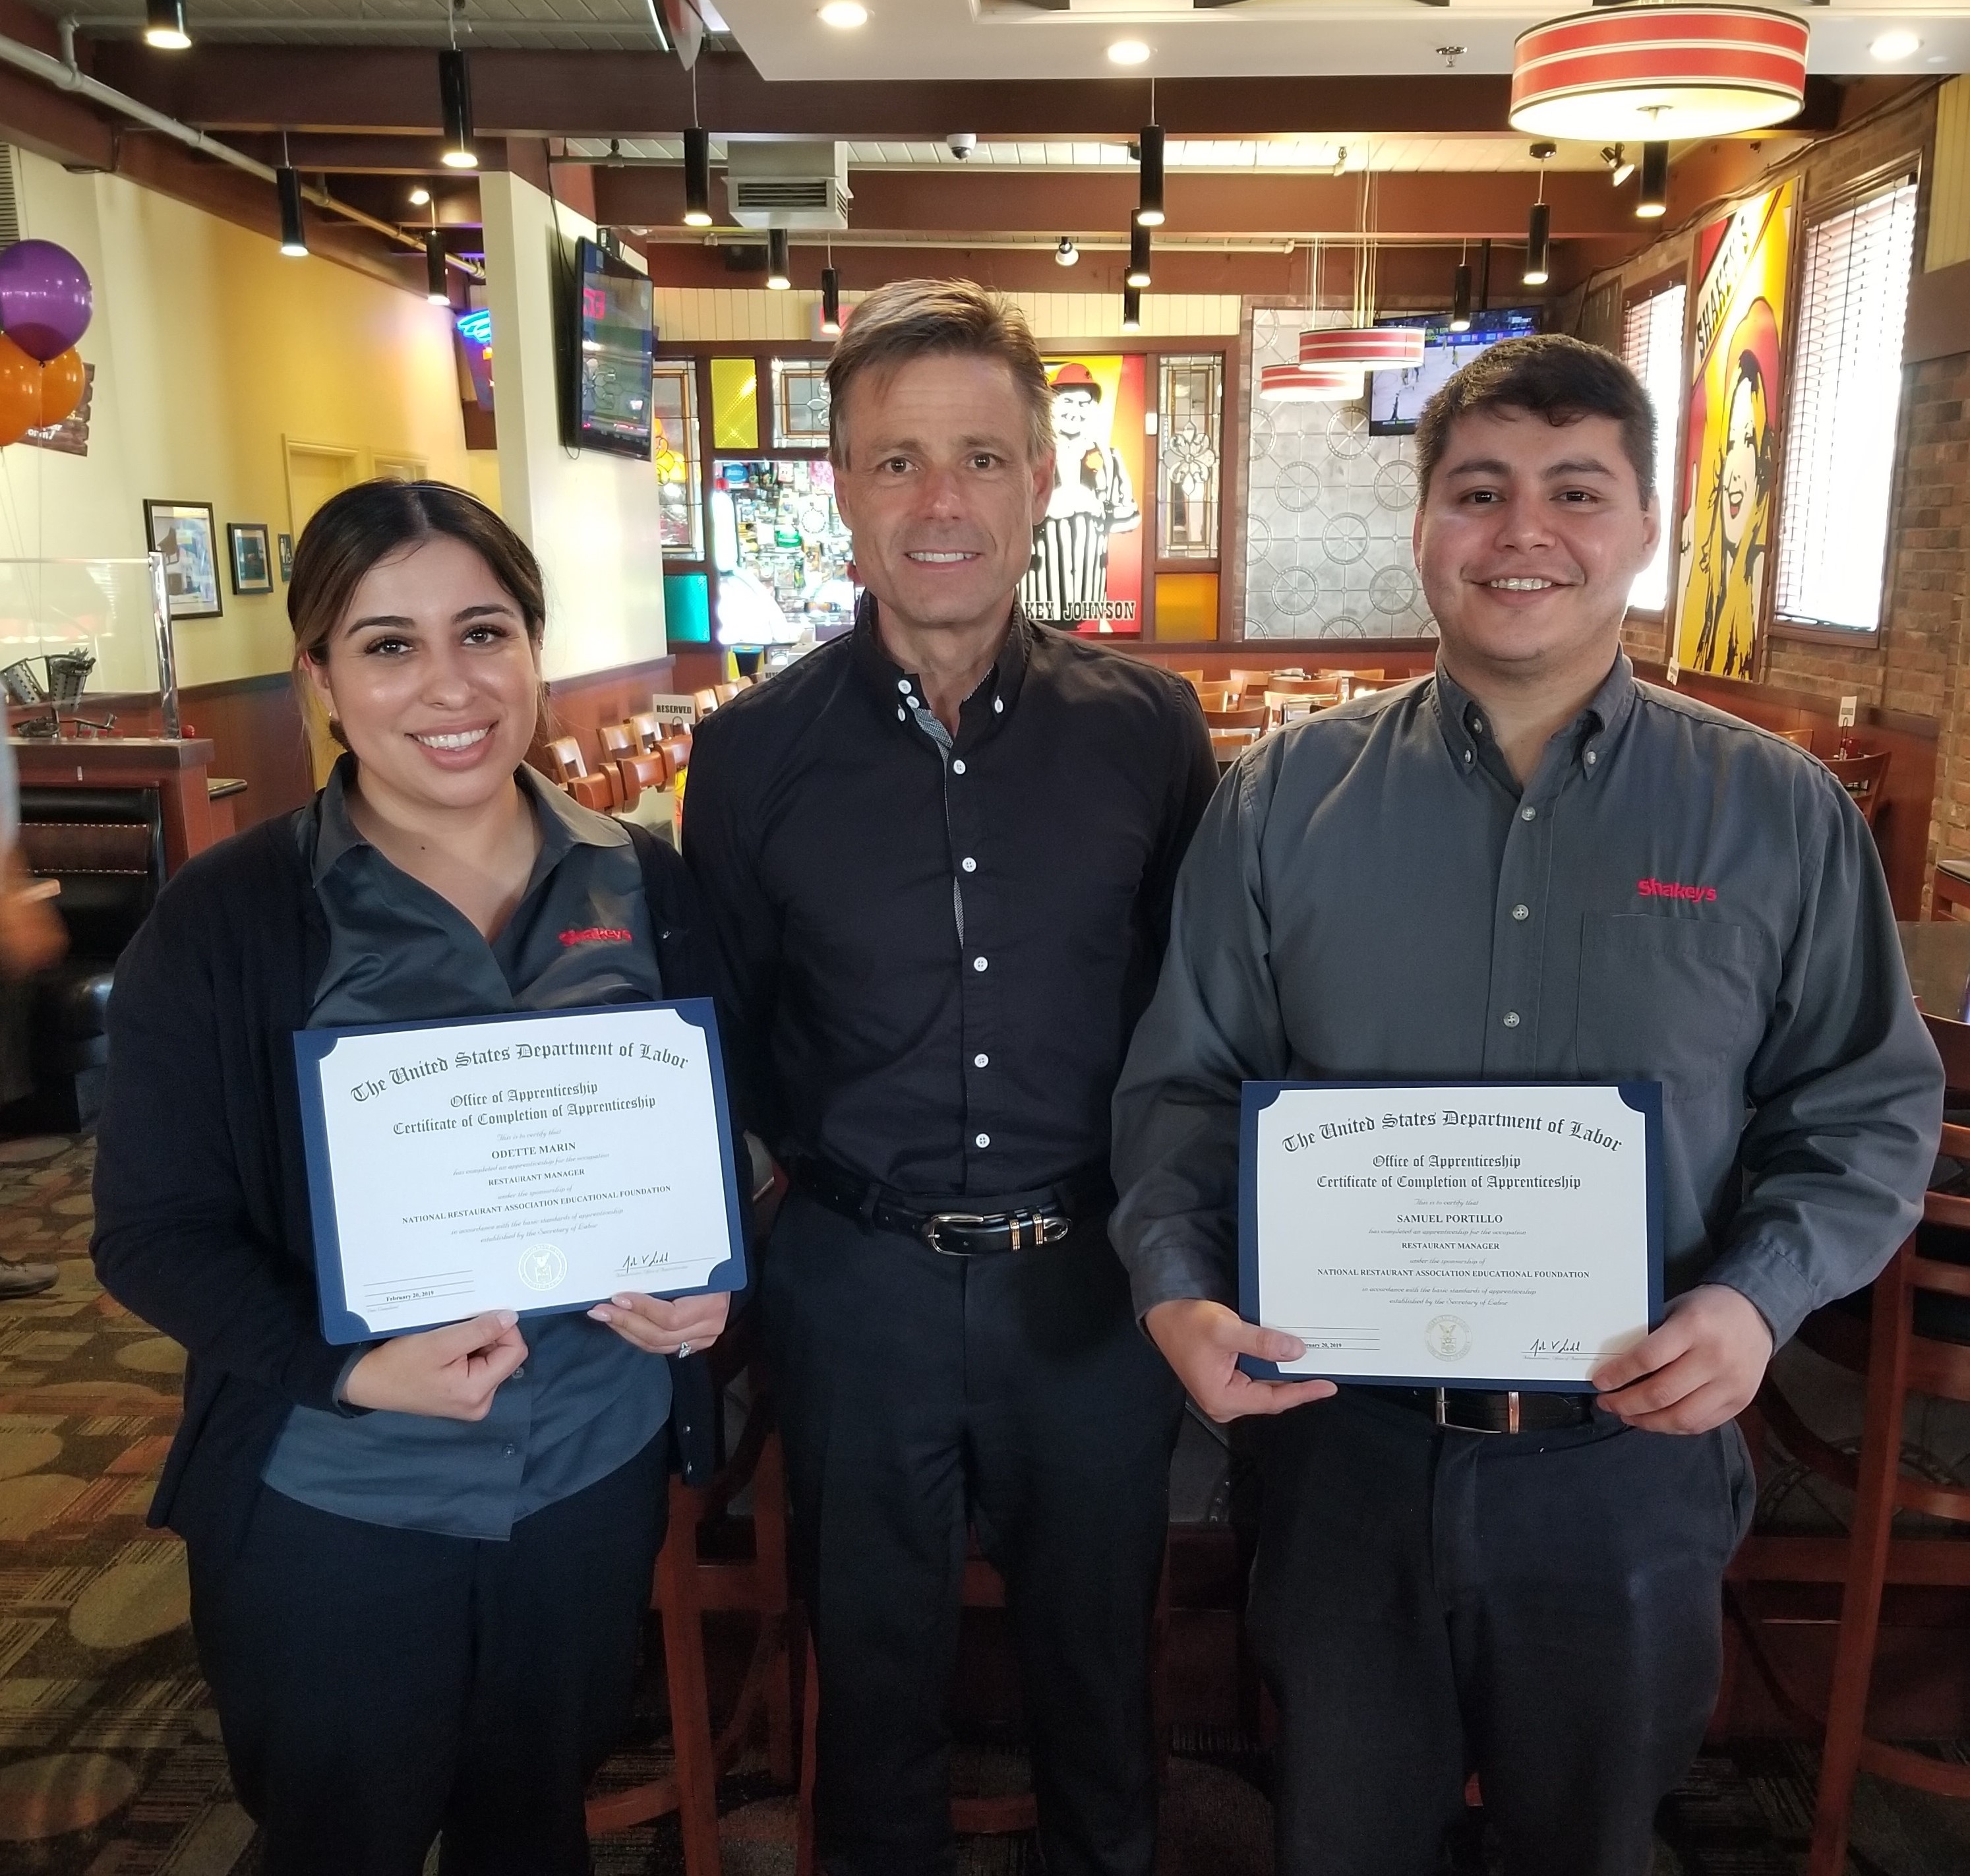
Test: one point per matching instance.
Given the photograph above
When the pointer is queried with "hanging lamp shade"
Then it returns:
(1302, 384)
(779, 261)
(1460, 298)
(1149, 202)
(696, 178)
(1138, 276)
(1132, 309)
(293, 230)
(830, 301)
(1358, 348)
(437, 289)
(455, 91)
(1539, 245)
(1653, 200)
(1644, 73)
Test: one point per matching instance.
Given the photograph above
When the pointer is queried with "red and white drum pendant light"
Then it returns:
(1305, 384)
(1651, 73)
(1361, 345)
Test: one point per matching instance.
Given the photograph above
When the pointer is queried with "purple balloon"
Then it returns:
(45, 298)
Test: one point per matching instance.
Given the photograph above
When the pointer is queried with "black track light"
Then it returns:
(1653, 200)
(293, 237)
(454, 87)
(164, 25)
(779, 268)
(830, 301)
(1460, 298)
(1149, 203)
(1138, 276)
(697, 178)
(1539, 245)
(1132, 309)
(1485, 275)
(437, 289)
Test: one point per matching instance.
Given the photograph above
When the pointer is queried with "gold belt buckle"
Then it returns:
(1443, 1418)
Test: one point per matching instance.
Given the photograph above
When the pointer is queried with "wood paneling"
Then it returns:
(254, 724)
(1949, 187)
(577, 705)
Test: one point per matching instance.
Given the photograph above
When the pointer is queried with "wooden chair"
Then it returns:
(1194, 678)
(1803, 738)
(1243, 681)
(726, 692)
(1912, 1335)
(1949, 886)
(655, 736)
(706, 702)
(1244, 717)
(1217, 697)
(688, 1586)
(1228, 745)
(1368, 677)
(635, 769)
(568, 766)
(1865, 777)
(1286, 706)
(1328, 685)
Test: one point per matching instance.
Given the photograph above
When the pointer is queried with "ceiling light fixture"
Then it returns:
(843, 15)
(831, 299)
(436, 289)
(1653, 72)
(1138, 275)
(164, 25)
(1361, 345)
(779, 268)
(1889, 48)
(697, 178)
(454, 86)
(419, 197)
(1653, 200)
(1128, 52)
(1149, 198)
(1621, 165)
(294, 233)
(1539, 226)
(1460, 296)
(1304, 384)
(1132, 309)
(1065, 254)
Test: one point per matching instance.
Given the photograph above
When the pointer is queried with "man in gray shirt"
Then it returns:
(1526, 867)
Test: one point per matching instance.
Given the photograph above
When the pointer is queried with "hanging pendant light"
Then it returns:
(830, 302)
(436, 290)
(1653, 200)
(779, 261)
(1138, 276)
(1460, 298)
(164, 25)
(1361, 345)
(1302, 384)
(1646, 73)
(697, 178)
(454, 88)
(1539, 227)
(1132, 309)
(294, 233)
(1149, 198)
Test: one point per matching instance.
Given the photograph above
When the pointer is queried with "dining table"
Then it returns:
(1937, 953)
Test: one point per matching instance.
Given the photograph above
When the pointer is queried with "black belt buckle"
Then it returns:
(1028, 1230)
(1464, 1426)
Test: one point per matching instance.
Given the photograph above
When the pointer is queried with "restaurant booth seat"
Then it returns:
(105, 849)
(569, 767)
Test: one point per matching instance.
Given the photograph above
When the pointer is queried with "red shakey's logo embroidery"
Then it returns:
(616, 935)
(1671, 888)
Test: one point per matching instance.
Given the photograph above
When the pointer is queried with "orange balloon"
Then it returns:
(19, 392)
(64, 380)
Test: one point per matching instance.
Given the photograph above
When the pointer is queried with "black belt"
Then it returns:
(983, 1228)
(1466, 1410)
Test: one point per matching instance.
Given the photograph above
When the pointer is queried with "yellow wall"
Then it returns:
(1949, 192)
(210, 350)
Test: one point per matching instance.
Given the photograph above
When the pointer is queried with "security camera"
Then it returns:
(962, 144)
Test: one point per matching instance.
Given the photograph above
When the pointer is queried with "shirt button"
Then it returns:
(900, 717)
(982, 1139)
(1477, 725)
(903, 685)
(520, 1373)
(1469, 755)
(998, 706)
(968, 864)
(509, 1450)
(1591, 759)
(1511, 1019)
(978, 963)
(957, 767)
(980, 1061)
(1529, 814)
(1522, 911)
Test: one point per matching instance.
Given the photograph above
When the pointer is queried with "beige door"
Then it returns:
(315, 472)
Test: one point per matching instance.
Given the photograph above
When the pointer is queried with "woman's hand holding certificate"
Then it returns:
(451, 1374)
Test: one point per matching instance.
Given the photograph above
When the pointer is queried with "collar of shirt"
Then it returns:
(564, 823)
(1581, 744)
(997, 691)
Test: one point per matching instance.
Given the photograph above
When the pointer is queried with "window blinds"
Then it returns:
(1652, 344)
(1846, 396)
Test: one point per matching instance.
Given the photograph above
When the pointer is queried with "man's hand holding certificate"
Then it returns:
(1485, 1236)
(522, 1163)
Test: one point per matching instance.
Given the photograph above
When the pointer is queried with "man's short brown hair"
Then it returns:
(1560, 379)
(920, 318)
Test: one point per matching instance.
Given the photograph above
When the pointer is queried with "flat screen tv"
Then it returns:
(612, 335)
(1396, 398)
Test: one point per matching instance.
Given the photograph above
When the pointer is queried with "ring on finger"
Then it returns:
(684, 1348)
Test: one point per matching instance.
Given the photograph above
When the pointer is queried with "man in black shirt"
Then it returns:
(939, 855)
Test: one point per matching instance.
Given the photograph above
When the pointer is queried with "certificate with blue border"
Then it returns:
(1492, 1235)
(534, 1161)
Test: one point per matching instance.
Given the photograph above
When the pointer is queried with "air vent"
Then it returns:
(10, 195)
(787, 185)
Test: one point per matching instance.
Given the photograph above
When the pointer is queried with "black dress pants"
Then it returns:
(1544, 1609)
(917, 1392)
(378, 1686)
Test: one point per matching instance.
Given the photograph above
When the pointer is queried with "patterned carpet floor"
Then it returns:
(110, 1762)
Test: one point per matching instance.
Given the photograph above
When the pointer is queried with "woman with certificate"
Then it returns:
(418, 1565)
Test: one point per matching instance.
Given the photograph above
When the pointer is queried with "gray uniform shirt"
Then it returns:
(584, 1401)
(1674, 896)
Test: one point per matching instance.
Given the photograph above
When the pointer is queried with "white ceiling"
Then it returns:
(1007, 39)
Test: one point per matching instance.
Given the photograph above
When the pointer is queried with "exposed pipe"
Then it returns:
(65, 75)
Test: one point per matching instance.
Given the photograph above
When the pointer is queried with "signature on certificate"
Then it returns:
(1554, 1346)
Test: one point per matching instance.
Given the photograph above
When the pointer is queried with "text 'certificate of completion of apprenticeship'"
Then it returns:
(1484, 1235)
(532, 1162)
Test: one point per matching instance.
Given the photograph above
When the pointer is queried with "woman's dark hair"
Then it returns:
(1559, 377)
(351, 532)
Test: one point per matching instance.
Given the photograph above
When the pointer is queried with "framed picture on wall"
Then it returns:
(184, 532)
(252, 567)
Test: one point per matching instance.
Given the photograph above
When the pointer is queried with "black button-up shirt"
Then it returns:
(939, 945)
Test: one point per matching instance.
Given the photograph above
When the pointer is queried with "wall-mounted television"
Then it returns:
(612, 336)
(1396, 398)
